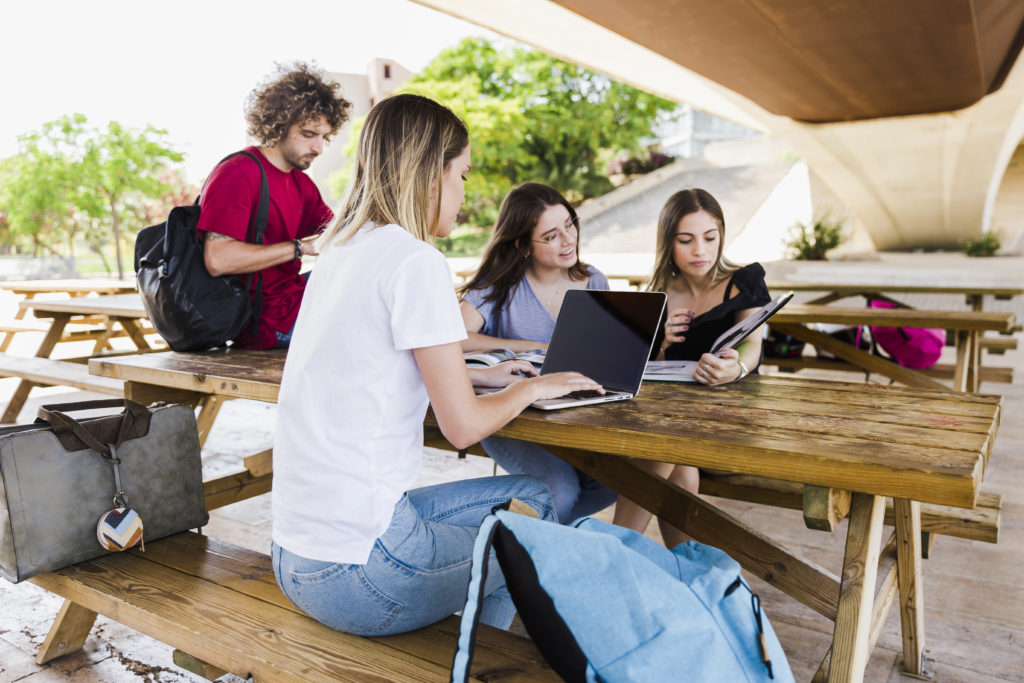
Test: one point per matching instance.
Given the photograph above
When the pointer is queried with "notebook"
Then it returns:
(682, 370)
(607, 336)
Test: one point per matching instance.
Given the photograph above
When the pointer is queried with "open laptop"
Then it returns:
(606, 336)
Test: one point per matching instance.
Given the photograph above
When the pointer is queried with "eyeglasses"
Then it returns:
(570, 229)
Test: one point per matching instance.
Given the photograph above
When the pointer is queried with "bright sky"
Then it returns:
(187, 66)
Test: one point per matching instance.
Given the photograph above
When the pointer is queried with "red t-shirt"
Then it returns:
(296, 210)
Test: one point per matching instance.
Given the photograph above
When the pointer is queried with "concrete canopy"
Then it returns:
(863, 69)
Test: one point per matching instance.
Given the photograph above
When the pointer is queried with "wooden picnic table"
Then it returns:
(909, 443)
(966, 325)
(113, 310)
(28, 289)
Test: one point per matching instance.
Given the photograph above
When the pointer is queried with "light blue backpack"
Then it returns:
(604, 603)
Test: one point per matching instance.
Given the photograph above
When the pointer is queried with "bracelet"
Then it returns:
(298, 249)
(744, 371)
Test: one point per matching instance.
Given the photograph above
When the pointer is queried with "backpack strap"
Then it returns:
(254, 235)
(471, 613)
(256, 230)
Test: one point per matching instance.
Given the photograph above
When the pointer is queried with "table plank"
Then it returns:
(113, 305)
(75, 287)
(896, 317)
(854, 289)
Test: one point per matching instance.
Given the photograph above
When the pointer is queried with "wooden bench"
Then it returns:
(998, 345)
(220, 607)
(47, 371)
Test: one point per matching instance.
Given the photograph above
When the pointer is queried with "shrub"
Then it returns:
(639, 165)
(985, 244)
(811, 241)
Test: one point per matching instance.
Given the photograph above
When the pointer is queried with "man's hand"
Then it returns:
(223, 255)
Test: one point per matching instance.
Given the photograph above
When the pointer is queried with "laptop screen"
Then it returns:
(605, 335)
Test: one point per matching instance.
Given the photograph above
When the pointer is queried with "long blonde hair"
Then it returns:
(405, 146)
(678, 206)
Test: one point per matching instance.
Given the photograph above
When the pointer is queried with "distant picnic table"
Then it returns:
(28, 289)
(112, 315)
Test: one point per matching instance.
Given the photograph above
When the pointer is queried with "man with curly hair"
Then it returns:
(292, 116)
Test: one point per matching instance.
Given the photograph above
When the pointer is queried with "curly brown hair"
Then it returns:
(299, 94)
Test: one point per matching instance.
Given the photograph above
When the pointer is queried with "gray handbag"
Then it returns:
(59, 476)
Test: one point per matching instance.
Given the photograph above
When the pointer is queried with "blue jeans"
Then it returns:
(418, 570)
(574, 493)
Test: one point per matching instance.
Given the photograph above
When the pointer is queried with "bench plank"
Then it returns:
(228, 611)
(250, 572)
(48, 371)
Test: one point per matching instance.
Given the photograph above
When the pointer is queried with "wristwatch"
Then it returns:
(744, 371)
(298, 249)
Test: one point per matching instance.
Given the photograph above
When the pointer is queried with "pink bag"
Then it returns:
(918, 348)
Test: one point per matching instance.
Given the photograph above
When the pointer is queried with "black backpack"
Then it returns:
(191, 309)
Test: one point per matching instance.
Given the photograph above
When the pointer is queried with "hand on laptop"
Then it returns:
(502, 374)
(558, 384)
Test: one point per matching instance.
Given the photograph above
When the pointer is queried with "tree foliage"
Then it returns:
(532, 117)
(70, 182)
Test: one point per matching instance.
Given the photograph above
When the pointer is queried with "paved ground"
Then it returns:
(974, 605)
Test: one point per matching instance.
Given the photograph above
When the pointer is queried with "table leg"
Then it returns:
(851, 639)
(209, 406)
(908, 549)
(19, 315)
(134, 330)
(965, 374)
(53, 335)
(67, 633)
(865, 361)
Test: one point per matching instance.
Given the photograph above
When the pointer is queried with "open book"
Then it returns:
(682, 370)
(485, 359)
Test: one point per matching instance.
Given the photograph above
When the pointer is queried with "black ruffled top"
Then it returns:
(747, 290)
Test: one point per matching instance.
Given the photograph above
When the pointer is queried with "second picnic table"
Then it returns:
(114, 310)
(912, 444)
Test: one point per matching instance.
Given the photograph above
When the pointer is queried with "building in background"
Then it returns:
(685, 132)
(382, 77)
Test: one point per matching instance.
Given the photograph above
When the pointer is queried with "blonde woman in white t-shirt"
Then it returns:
(378, 335)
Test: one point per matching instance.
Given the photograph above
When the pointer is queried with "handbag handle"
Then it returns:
(134, 421)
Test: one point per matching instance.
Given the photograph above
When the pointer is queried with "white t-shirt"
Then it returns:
(349, 435)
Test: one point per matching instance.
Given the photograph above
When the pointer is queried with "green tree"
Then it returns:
(531, 117)
(40, 189)
(69, 182)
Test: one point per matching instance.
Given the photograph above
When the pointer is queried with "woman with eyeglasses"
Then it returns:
(512, 301)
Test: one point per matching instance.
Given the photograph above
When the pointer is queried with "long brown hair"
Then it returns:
(678, 206)
(405, 146)
(507, 254)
